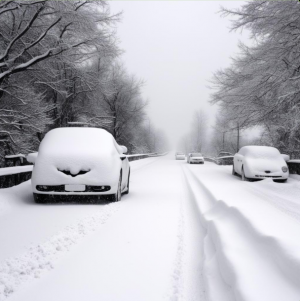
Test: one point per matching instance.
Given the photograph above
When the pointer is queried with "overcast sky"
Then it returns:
(175, 46)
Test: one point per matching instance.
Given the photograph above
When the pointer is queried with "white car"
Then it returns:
(260, 162)
(179, 156)
(84, 164)
(195, 158)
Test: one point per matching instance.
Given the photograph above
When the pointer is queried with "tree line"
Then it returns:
(60, 66)
(262, 85)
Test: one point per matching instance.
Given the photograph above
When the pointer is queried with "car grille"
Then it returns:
(263, 176)
(68, 173)
(61, 188)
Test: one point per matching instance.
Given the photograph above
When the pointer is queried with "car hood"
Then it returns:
(66, 168)
(262, 164)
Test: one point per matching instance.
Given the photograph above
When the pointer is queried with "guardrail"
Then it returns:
(11, 176)
(294, 166)
(141, 156)
(208, 159)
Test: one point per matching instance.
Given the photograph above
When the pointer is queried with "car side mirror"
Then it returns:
(123, 157)
(285, 157)
(124, 149)
(31, 157)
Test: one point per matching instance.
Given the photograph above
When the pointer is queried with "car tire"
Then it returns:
(40, 198)
(233, 171)
(116, 197)
(127, 191)
(244, 178)
(280, 181)
(119, 192)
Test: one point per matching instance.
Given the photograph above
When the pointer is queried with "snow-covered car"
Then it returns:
(80, 164)
(224, 158)
(260, 162)
(195, 158)
(179, 156)
(224, 154)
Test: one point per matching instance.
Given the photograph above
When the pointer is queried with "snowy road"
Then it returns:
(185, 232)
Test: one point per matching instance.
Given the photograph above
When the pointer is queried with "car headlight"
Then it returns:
(284, 169)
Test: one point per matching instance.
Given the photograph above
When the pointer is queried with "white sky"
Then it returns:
(175, 46)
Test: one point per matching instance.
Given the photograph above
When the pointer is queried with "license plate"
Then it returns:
(75, 187)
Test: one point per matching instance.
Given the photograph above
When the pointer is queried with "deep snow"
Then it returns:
(184, 233)
(131, 250)
(252, 228)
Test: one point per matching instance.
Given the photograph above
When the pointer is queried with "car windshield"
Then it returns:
(78, 142)
(196, 155)
(222, 154)
(260, 152)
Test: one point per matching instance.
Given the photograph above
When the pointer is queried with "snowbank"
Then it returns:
(253, 249)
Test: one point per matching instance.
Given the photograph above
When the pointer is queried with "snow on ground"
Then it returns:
(136, 249)
(184, 233)
(251, 237)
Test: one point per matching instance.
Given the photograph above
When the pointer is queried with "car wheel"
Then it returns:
(127, 191)
(116, 197)
(244, 178)
(40, 198)
(233, 171)
(280, 181)
(119, 192)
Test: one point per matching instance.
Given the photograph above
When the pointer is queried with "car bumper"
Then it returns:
(61, 190)
(72, 198)
(270, 177)
(196, 161)
(273, 176)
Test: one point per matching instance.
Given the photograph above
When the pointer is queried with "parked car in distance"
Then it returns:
(224, 158)
(79, 163)
(224, 154)
(195, 158)
(260, 162)
(179, 156)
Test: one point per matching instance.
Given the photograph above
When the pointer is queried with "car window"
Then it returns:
(196, 155)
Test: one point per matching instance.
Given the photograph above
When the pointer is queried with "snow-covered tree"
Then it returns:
(198, 131)
(262, 84)
(123, 103)
(46, 53)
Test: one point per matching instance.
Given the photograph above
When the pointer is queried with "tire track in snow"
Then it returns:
(192, 287)
(15, 272)
(278, 197)
(177, 276)
(187, 278)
